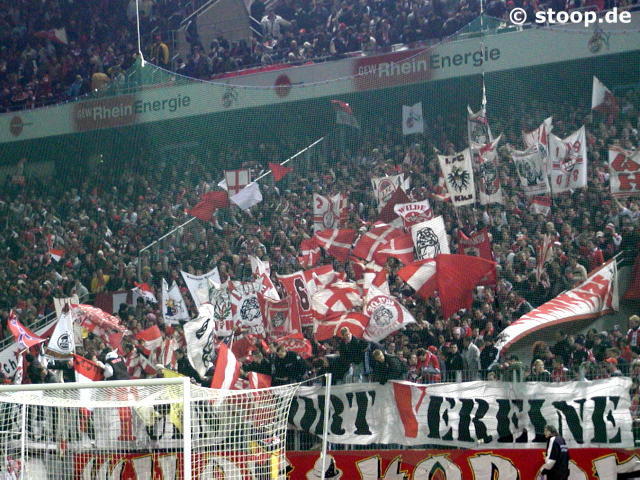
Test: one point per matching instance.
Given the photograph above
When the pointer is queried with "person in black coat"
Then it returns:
(184, 366)
(334, 365)
(387, 367)
(288, 367)
(556, 465)
(354, 351)
(258, 364)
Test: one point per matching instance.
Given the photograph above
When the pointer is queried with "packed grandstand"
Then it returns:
(331, 236)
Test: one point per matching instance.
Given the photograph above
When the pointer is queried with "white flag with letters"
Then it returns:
(412, 121)
(386, 315)
(568, 161)
(173, 307)
(200, 285)
(412, 213)
(458, 175)
(430, 238)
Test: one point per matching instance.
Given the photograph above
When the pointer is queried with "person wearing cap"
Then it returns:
(112, 365)
(556, 465)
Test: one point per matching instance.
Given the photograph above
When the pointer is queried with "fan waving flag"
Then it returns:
(151, 339)
(296, 343)
(370, 242)
(24, 337)
(386, 315)
(56, 254)
(145, 291)
(355, 322)
(336, 242)
(602, 100)
(62, 341)
(174, 309)
(540, 206)
(248, 197)
(344, 114)
(227, 370)
(309, 253)
(421, 276)
(86, 370)
(400, 247)
(279, 171)
(476, 244)
(329, 212)
(486, 162)
(208, 204)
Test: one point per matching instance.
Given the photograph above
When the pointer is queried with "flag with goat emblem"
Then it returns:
(386, 315)
(457, 170)
(486, 163)
(531, 170)
(245, 308)
(430, 238)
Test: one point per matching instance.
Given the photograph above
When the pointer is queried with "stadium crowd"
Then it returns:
(59, 50)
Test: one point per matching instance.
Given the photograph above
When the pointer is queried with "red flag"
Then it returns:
(296, 343)
(209, 203)
(245, 345)
(258, 380)
(86, 370)
(300, 286)
(388, 213)
(56, 254)
(227, 370)
(336, 242)
(23, 336)
(421, 276)
(457, 276)
(370, 242)
(400, 247)
(151, 338)
(477, 244)
(91, 318)
(540, 205)
(276, 317)
(279, 171)
(337, 298)
(145, 291)
(329, 328)
(310, 253)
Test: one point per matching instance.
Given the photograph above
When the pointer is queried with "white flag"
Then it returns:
(386, 315)
(568, 161)
(412, 121)
(412, 213)
(328, 212)
(624, 171)
(173, 307)
(200, 335)
(62, 341)
(486, 163)
(478, 130)
(430, 238)
(531, 171)
(200, 286)
(248, 196)
(458, 175)
(245, 308)
(539, 138)
(385, 187)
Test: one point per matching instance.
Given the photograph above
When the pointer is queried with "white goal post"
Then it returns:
(157, 429)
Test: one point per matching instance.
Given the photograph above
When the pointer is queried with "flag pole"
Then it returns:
(292, 157)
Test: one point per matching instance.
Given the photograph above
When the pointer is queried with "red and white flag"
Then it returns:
(310, 253)
(539, 139)
(300, 286)
(388, 213)
(18, 376)
(56, 254)
(145, 291)
(400, 247)
(369, 274)
(544, 254)
(344, 114)
(385, 187)
(245, 307)
(478, 129)
(602, 100)
(258, 380)
(568, 158)
(540, 206)
(279, 171)
(62, 341)
(262, 271)
(296, 343)
(386, 315)
(151, 339)
(421, 276)
(95, 319)
(24, 337)
(477, 244)
(56, 35)
(227, 369)
(236, 180)
(485, 160)
(440, 191)
(624, 170)
(337, 298)
(167, 354)
(336, 243)
(248, 197)
(326, 329)
(277, 320)
(370, 242)
(329, 212)
(86, 370)
(209, 203)
(412, 213)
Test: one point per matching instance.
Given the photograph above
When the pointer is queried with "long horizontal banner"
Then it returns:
(586, 464)
(596, 296)
(471, 414)
(449, 59)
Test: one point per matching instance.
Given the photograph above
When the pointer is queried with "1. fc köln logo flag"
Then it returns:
(624, 169)
(328, 212)
(568, 161)
(477, 244)
(277, 321)
(486, 163)
(531, 170)
(458, 175)
(412, 213)
(236, 180)
(386, 315)
(385, 187)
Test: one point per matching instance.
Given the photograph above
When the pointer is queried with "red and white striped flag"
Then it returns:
(227, 370)
(145, 291)
(56, 254)
(545, 254)
(151, 338)
(421, 276)
(337, 298)
(310, 253)
(258, 380)
(370, 242)
(540, 206)
(167, 355)
(326, 329)
(336, 242)
(400, 247)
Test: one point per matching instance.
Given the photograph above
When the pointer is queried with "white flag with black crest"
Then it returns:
(200, 335)
(245, 308)
(62, 342)
(531, 171)
(457, 171)
(430, 238)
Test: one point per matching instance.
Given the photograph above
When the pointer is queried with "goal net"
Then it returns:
(150, 429)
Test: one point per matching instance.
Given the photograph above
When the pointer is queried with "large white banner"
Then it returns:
(531, 170)
(470, 414)
(624, 172)
(594, 297)
(328, 212)
(430, 238)
(200, 286)
(412, 120)
(174, 309)
(568, 161)
(458, 175)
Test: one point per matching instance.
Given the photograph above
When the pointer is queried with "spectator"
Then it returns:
(386, 367)
(538, 373)
(354, 352)
(288, 367)
(471, 358)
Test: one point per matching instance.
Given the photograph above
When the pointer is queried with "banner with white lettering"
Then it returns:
(568, 161)
(624, 171)
(596, 296)
(465, 415)
(531, 171)
(458, 175)
(412, 213)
